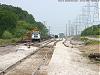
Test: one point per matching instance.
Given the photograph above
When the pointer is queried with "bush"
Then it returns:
(93, 30)
(14, 40)
(92, 42)
(89, 42)
(8, 21)
(20, 33)
(84, 39)
(7, 35)
(4, 42)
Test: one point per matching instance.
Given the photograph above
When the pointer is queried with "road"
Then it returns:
(12, 55)
(68, 61)
(14, 63)
(64, 61)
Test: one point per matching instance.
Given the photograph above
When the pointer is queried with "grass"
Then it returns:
(93, 36)
(97, 36)
(90, 47)
(84, 39)
(92, 42)
(4, 42)
(89, 42)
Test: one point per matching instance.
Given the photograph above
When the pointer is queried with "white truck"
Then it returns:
(36, 36)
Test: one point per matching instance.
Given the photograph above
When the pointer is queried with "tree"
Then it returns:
(18, 22)
(93, 30)
(7, 35)
(22, 14)
(8, 21)
(43, 30)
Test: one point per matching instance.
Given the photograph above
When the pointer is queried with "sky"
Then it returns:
(55, 14)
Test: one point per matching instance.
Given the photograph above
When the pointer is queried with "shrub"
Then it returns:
(7, 35)
(84, 39)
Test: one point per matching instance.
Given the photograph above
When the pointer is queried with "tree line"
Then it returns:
(16, 22)
(91, 31)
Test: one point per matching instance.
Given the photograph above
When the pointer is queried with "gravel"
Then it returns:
(12, 57)
(68, 61)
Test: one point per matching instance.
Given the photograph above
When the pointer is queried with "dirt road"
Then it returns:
(36, 64)
(68, 61)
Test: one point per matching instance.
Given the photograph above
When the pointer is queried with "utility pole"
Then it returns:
(66, 30)
(69, 23)
(72, 31)
(91, 13)
(49, 30)
(76, 30)
(44, 22)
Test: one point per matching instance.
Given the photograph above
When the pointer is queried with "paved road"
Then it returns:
(68, 61)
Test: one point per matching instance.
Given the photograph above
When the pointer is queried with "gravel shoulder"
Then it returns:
(13, 57)
(35, 65)
(7, 49)
(69, 61)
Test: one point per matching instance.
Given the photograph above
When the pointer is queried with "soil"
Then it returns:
(35, 65)
(7, 49)
(69, 61)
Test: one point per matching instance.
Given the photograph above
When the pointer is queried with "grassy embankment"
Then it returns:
(5, 42)
(90, 47)
(98, 36)
(13, 40)
(89, 42)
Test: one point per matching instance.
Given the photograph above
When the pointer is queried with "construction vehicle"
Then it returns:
(36, 35)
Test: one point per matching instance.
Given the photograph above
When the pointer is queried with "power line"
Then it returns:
(91, 13)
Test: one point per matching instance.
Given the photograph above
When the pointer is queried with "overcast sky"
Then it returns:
(56, 14)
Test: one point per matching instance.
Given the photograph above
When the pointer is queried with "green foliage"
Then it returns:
(4, 42)
(92, 42)
(22, 28)
(20, 32)
(24, 25)
(84, 39)
(7, 35)
(22, 14)
(8, 21)
(89, 42)
(93, 30)
(97, 36)
(42, 28)
(17, 22)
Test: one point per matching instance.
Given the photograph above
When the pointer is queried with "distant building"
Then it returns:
(61, 35)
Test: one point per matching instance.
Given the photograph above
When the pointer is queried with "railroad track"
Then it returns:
(44, 44)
